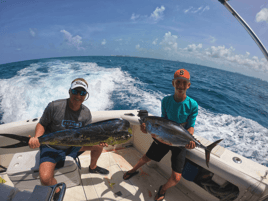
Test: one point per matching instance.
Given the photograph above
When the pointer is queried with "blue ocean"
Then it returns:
(231, 106)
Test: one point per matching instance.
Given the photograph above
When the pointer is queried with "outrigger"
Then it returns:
(246, 26)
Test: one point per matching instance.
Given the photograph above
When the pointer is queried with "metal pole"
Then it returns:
(246, 26)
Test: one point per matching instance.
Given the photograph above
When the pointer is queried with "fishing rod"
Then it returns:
(246, 26)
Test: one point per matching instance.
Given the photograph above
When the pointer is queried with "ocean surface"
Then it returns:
(231, 106)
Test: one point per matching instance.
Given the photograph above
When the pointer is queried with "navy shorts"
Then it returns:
(158, 150)
(48, 154)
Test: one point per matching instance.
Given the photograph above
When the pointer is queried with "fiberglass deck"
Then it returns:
(142, 187)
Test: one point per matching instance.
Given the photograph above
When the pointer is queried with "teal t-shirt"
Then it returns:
(185, 111)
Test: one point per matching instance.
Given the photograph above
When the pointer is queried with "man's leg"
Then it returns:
(95, 154)
(46, 173)
(177, 163)
(48, 161)
(144, 159)
(172, 181)
(156, 152)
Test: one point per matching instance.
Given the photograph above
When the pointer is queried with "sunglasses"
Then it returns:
(75, 92)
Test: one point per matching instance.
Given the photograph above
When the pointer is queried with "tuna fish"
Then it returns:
(112, 131)
(174, 134)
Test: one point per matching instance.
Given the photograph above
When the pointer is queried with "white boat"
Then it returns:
(229, 176)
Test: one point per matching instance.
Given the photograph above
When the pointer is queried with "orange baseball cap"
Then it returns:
(182, 74)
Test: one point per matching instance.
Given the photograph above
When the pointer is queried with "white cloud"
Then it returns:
(196, 10)
(103, 42)
(32, 32)
(262, 15)
(223, 55)
(187, 10)
(134, 17)
(212, 39)
(169, 42)
(193, 47)
(158, 14)
(140, 49)
(217, 54)
(155, 41)
(75, 41)
(206, 8)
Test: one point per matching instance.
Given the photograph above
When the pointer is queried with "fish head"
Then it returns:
(125, 124)
(152, 123)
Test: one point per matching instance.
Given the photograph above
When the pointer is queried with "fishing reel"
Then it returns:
(141, 114)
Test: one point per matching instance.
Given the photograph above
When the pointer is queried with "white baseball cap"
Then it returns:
(79, 83)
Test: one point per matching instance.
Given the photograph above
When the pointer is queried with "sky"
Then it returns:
(201, 32)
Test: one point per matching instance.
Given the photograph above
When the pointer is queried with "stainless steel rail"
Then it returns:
(246, 26)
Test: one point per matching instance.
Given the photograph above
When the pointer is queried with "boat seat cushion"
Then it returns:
(7, 192)
(23, 171)
(40, 193)
(22, 196)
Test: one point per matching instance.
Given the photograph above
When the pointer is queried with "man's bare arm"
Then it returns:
(191, 130)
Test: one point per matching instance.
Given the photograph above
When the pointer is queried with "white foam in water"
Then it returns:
(241, 135)
(26, 95)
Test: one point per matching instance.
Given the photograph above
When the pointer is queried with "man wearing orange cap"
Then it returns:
(179, 108)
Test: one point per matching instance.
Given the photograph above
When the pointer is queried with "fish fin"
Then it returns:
(209, 149)
(17, 145)
(23, 140)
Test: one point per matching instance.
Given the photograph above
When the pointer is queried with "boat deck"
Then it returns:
(142, 187)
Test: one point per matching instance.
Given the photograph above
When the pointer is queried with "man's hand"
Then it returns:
(103, 144)
(191, 145)
(33, 142)
(143, 128)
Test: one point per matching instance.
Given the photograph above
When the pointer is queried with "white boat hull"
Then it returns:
(248, 177)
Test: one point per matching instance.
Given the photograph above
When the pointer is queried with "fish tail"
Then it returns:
(23, 140)
(209, 149)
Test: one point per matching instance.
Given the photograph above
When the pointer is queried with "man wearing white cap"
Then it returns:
(60, 115)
